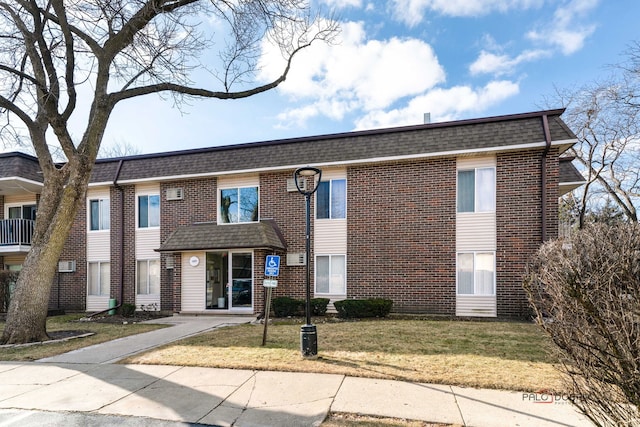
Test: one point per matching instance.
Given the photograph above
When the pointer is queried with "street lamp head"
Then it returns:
(312, 177)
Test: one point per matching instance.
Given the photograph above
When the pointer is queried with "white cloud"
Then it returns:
(342, 4)
(357, 75)
(565, 31)
(442, 104)
(412, 12)
(499, 64)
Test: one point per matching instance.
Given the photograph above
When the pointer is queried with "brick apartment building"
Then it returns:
(441, 218)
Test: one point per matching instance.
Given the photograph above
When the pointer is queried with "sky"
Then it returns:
(397, 60)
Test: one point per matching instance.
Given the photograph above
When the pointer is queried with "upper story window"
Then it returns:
(238, 205)
(477, 190)
(149, 210)
(331, 199)
(99, 214)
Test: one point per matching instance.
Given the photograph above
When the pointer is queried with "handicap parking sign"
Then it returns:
(272, 266)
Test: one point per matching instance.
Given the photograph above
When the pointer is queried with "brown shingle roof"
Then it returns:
(210, 236)
(20, 165)
(429, 139)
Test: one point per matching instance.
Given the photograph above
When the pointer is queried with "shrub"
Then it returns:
(586, 295)
(319, 306)
(127, 310)
(362, 308)
(287, 306)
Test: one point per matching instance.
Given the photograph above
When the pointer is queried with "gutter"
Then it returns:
(543, 174)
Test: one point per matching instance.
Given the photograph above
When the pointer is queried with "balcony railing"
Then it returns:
(16, 232)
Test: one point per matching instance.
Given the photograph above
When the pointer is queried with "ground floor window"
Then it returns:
(148, 277)
(99, 278)
(476, 273)
(331, 277)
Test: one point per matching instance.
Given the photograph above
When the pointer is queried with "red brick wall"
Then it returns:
(401, 234)
(519, 222)
(400, 226)
(288, 210)
(198, 205)
(73, 286)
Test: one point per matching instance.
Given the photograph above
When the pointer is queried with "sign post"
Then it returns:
(271, 270)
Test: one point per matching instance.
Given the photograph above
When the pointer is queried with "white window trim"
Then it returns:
(475, 189)
(150, 193)
(100, 230)
(99, 277)
(495, 273)
(18, 205)
(148, 270)
(315, 275)
(346, 191)
(235, 187)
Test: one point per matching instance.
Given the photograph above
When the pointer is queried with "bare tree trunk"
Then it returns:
(27, 314)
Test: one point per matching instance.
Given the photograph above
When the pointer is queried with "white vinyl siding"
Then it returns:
(330, 238)
(147, 240)
(18, 199)
(475, 238)
(476, 306)
(98, 258)
(476, 232)
(193, 283)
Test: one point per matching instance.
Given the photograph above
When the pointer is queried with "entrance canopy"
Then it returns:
(211, 236)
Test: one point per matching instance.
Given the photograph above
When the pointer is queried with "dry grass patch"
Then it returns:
(501, 355)
(355, 420)
(102, 332)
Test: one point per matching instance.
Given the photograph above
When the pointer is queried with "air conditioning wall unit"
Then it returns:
(298, 258)
(291, 184)
(66, 266)
(175, 194)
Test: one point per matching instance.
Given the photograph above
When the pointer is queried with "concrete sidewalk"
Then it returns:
(86, 388)
(181, 327)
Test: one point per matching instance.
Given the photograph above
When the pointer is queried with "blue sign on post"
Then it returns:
(272, 266)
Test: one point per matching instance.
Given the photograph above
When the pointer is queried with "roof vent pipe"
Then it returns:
(427, 118)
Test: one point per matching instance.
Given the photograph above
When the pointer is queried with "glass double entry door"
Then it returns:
(229, 279)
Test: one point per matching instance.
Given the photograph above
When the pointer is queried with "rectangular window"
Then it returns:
(238, 205)
(99, 278)
(331, 199)
(149, 211)
(99, 214)
(476, 273)
(477, 190)
(331, 274)
(148, 277)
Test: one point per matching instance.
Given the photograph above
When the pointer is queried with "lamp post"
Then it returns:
(308, 334)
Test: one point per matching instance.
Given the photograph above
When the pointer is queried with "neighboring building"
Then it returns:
(441, 218)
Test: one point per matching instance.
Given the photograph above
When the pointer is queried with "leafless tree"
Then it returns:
(56, 53)
(606, 118)
(118, 149)
(586, 296)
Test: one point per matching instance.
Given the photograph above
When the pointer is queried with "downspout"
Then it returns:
(121, 221)
(543, 174)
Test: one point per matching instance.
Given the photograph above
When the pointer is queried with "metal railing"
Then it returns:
(16, 231)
